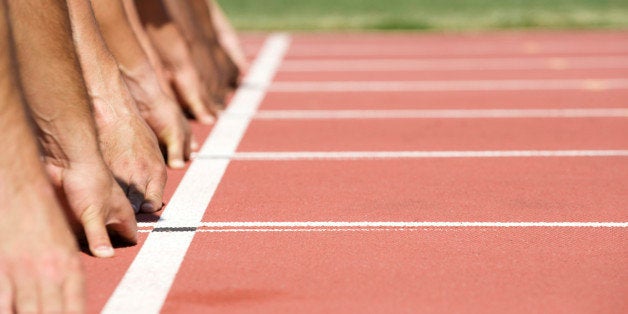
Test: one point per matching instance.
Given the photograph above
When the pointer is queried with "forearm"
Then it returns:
(17, 140)
(52, 81)
(227, 35)
(102, 76)
(134, 63)
(119, 35)
(200, 49)
(147, 45)
(164, 34)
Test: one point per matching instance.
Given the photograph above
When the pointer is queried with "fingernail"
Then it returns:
(206, 120)
(148, 207)
(177, 163)
(194, 145)
(103, 251)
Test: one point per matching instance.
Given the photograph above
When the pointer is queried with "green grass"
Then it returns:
(449, 15)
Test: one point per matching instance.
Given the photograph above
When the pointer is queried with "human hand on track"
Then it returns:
(39, 263)
(163, 115)
(175, 57)
(135, 161)
(194, 98)
(96, 203)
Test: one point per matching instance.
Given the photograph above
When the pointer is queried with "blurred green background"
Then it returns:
(450, 15)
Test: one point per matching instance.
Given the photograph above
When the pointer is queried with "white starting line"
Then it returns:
(314, 226)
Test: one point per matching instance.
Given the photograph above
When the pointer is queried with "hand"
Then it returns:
(40, 269)
(162, 114)
(97, 205)
(186, 82)
(166, 119)
(131, 152)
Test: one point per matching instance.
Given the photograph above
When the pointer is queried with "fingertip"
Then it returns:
(103, 251)
(148, 208)
(136, 198)
(206, 119)
(97, 237)
(153, 200)
(176, 163)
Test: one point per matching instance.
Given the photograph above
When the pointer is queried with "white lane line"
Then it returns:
(145, 285)
(352, 155)
(455, 64)
(427, 86)
(442, 113)
(257, 226)
(453, 49)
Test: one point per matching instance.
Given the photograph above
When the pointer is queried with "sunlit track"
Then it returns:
(318, 192)
(442, 114)
(455, 64)
(431, 86)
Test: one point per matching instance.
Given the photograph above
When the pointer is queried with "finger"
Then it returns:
(122, 223)
(124, 231)
(218, 101)
(199, 110)
(135, 195)
(50, 286)
(175, 152)
(189, 93)
(6, 292)
(26, 291)
(188, 145)
(194, 145)
(96, 233)
(154, 193)
(74, 287)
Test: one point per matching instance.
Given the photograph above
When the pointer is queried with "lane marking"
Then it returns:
(321, 226)
(352, 155)
(452, 48)
(429, 86)
(146, 284)
(442, 113)
(455, 64)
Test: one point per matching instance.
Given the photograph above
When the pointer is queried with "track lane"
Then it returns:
(434, 270)
(436, 134)
(448, 189)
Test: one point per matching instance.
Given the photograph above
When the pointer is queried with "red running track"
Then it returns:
(338, 268)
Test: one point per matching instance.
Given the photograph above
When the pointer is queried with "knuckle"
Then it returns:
(92, 215)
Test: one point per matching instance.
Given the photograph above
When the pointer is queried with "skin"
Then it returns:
(209, 69)
(227, 35)
(160, 111)
(135, 161)
(150, 51)
(204, 14)
(55, 92)
(40, 268)
(176, 57)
